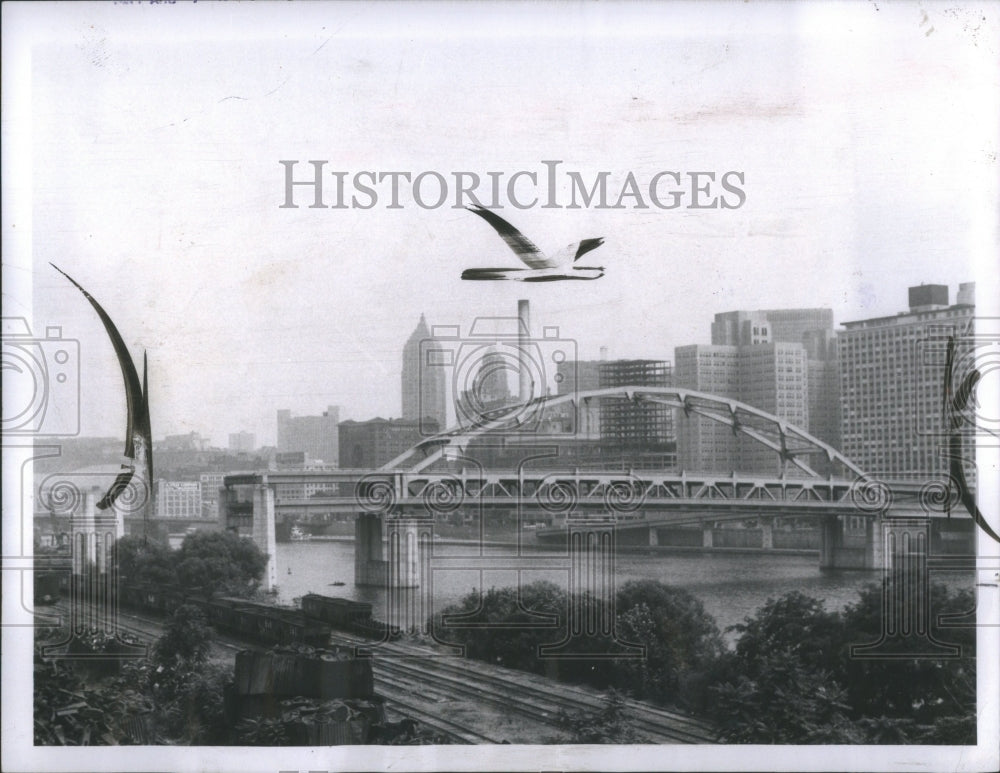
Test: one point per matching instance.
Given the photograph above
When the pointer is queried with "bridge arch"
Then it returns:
(790, 443)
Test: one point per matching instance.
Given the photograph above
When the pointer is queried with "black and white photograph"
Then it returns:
(501, 386)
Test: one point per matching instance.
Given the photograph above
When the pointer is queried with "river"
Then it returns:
(731, 586)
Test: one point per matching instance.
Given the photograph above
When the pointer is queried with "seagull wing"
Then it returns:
(522, 246)
(138, 433)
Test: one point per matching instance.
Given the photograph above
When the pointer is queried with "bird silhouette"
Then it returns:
(541, 267)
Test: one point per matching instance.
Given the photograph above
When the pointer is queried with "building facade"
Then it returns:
(370, 444)
(242, 442)
(178, 499)
(782, 361)
(314, 435)
(892, 384)
(703, 444)
(423, 384)
(573, 377)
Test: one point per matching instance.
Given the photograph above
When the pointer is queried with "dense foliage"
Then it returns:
(175, 698)
(526, 628)
(791, 678)
(211, 562)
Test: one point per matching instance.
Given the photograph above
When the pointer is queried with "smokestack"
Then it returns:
(604, 353)
(523, 334)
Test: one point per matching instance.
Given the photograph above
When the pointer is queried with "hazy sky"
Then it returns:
(145, 146)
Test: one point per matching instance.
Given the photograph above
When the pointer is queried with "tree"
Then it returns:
(937, 693)
(187, 640)
(144, 561)
(502, 625)
(795, 624)
(220, 562)
(783, 701)
(681, 639)
(780, 685)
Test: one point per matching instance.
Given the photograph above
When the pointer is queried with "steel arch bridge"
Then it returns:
(791, 444)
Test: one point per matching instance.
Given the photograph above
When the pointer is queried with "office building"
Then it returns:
(316, 436)
(210, 483)
(702, 444)
(370, 444)
(242, 442)
(892, 381)
(782, 361)
(423, 384)
(574, 377)
(178, 499)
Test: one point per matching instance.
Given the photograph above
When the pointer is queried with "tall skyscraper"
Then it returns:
(782, 361)
(891, 383)
(423, 385)
(772, 377)
(703, 444)
(315, 435)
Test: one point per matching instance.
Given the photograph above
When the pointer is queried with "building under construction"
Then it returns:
(641, 433)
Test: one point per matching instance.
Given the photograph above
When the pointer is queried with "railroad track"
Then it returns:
(397, 702)
(407, 675)
(519, 692)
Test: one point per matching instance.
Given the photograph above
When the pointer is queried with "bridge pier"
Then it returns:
(836, 553)
(767, 534)
(706, 536)
(263, 532)
(402, 567)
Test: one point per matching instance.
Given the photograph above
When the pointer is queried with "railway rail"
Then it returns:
(417, 681)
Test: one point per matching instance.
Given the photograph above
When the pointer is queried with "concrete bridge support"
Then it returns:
(263, 531)
(408, 550)
(837, 553)
(767, 534)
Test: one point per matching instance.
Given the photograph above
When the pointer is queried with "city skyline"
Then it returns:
(267, 437)
(856, 188)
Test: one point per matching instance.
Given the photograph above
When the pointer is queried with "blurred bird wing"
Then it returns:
(522, 246)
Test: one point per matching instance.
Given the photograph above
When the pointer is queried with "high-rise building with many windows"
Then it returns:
(423, 384)
(782, 361)
(892, 383)
(703, 444)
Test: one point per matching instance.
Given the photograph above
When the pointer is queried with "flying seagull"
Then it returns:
(541, 267)
(138, 433)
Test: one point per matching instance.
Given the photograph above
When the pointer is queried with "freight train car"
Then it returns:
(266, 623)
(346, 615)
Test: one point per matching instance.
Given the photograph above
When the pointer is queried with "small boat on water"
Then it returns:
(297, 535)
